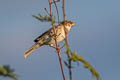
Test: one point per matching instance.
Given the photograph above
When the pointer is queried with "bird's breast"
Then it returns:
(60, 35)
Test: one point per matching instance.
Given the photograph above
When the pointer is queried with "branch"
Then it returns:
(57, 46)
(69, 61)
(50, 6)
(66, 41)
(63, 7)
(56, 10)
(56, 1)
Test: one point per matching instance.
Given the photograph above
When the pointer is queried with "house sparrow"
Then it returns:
(48, 38)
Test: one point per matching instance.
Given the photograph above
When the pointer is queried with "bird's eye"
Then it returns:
(51, 32)
(71, 22)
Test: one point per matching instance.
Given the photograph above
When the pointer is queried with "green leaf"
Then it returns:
(12, 75)
(6, 71)
(2, 70)
(7, 67)
(86, 64)
(68, 50)
(76, 58)
(45, 18)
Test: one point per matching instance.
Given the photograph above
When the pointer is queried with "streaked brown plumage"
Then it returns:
(47, 38)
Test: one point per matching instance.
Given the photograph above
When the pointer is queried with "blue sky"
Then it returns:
(96, 37)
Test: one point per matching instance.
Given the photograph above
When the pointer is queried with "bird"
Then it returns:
(57, 32)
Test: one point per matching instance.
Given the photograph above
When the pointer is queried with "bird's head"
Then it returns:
(68, 24)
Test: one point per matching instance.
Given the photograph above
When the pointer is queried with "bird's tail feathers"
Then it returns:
(30, 50)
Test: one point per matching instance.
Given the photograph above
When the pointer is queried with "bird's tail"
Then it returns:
(30, 50)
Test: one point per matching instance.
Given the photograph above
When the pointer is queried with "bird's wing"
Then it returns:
(49, 33)
(39, 37)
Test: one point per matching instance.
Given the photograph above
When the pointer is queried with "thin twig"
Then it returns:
(50, 6)
(66, 40)
(56, 1)
(57, 11)
(63, 7)
(69, 61)
(46, 11)
(70, 68)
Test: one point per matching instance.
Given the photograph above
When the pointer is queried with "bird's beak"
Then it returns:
(73, 24)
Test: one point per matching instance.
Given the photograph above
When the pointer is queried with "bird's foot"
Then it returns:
(57, 48)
